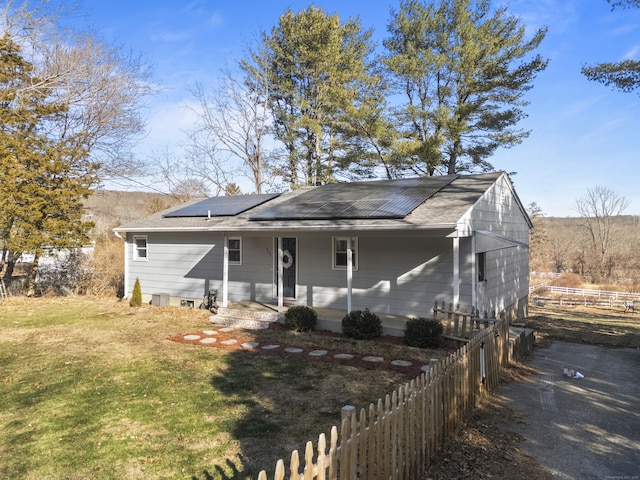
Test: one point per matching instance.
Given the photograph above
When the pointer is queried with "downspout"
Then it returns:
(225, 272)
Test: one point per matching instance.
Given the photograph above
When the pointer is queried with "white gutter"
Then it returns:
(280, 228)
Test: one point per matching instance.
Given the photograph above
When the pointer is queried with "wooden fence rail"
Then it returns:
(397, 438)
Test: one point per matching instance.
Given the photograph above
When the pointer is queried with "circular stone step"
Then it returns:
(191, 337)
(318, 353)
(229, 342)
(210, 332)
(208, 341)
(227, 329)
(343, 356)
(250, 345)
(270, 347)
(373, 359)
(401, 363)
(293, 350)
(425, 368)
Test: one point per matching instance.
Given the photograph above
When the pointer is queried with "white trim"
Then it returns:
(456, 271)
(349, 271)
(227, 240)
(354, 246)
(280, 277)
(135, 254)
(225, 272)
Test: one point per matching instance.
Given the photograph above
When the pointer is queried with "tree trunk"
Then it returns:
(31, 278)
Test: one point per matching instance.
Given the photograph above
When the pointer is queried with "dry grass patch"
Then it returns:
(591, 325)
(94, 389)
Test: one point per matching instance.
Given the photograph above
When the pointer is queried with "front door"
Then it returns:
(289, 263)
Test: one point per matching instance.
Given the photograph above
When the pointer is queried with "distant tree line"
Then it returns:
(602, 244)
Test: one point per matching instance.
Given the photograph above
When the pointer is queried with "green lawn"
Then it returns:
(91, 388)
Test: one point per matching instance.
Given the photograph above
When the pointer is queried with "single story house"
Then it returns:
(391, 246)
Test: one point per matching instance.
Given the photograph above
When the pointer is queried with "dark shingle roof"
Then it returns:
(446, 200)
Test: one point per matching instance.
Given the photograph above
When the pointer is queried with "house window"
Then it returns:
(234, 246)
(481, 265)
(340, 253)
(140, 248)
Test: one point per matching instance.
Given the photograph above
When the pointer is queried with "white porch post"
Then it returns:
(456, 270)
(127, 253)
(349, 272)
(474, 272)
(280, 280)
(225, 272)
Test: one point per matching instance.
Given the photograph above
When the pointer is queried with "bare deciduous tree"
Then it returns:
(599, 209)
(236, 117)
(102, 85)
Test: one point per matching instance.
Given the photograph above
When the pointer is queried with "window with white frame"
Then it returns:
(140, 247)
(234, 245)
(340, 253)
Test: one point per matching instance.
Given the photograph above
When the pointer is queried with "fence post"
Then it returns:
(347, 412)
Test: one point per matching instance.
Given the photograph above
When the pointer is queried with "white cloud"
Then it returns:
(633, 53)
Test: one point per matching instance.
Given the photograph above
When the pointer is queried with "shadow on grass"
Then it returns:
(221, 473)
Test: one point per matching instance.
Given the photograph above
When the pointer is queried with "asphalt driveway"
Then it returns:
(581, 428)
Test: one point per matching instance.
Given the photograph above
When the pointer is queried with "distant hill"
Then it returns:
(110, 208)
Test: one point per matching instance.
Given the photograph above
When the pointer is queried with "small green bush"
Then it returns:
(423, 333)
(362, 325)
(300, 318)
(136, 295)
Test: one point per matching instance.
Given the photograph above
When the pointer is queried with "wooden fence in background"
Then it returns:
(396, 438)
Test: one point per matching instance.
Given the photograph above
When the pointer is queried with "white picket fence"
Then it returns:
(586, 292)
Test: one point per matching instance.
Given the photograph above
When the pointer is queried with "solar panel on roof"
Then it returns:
(381, 199)
(222, 206)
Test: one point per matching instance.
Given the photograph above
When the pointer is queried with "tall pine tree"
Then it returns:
(463, 71)
(317, 68)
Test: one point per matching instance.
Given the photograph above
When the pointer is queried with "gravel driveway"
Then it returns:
(581, 428)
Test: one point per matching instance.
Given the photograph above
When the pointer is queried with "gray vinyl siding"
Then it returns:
(179, 264)
(507, 269)
(401, 276)
(396, 275)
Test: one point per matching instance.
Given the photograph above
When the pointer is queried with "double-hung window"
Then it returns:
(340, 253)
(140, 247)
(234, 245)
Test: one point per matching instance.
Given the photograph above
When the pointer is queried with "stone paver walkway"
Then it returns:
(209, 338)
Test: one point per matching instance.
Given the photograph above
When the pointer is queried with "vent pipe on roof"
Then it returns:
(208, 215)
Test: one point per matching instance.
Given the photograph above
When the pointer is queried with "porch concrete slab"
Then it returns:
(581, 428)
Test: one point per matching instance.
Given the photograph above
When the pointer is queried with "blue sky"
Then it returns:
(582, 133)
